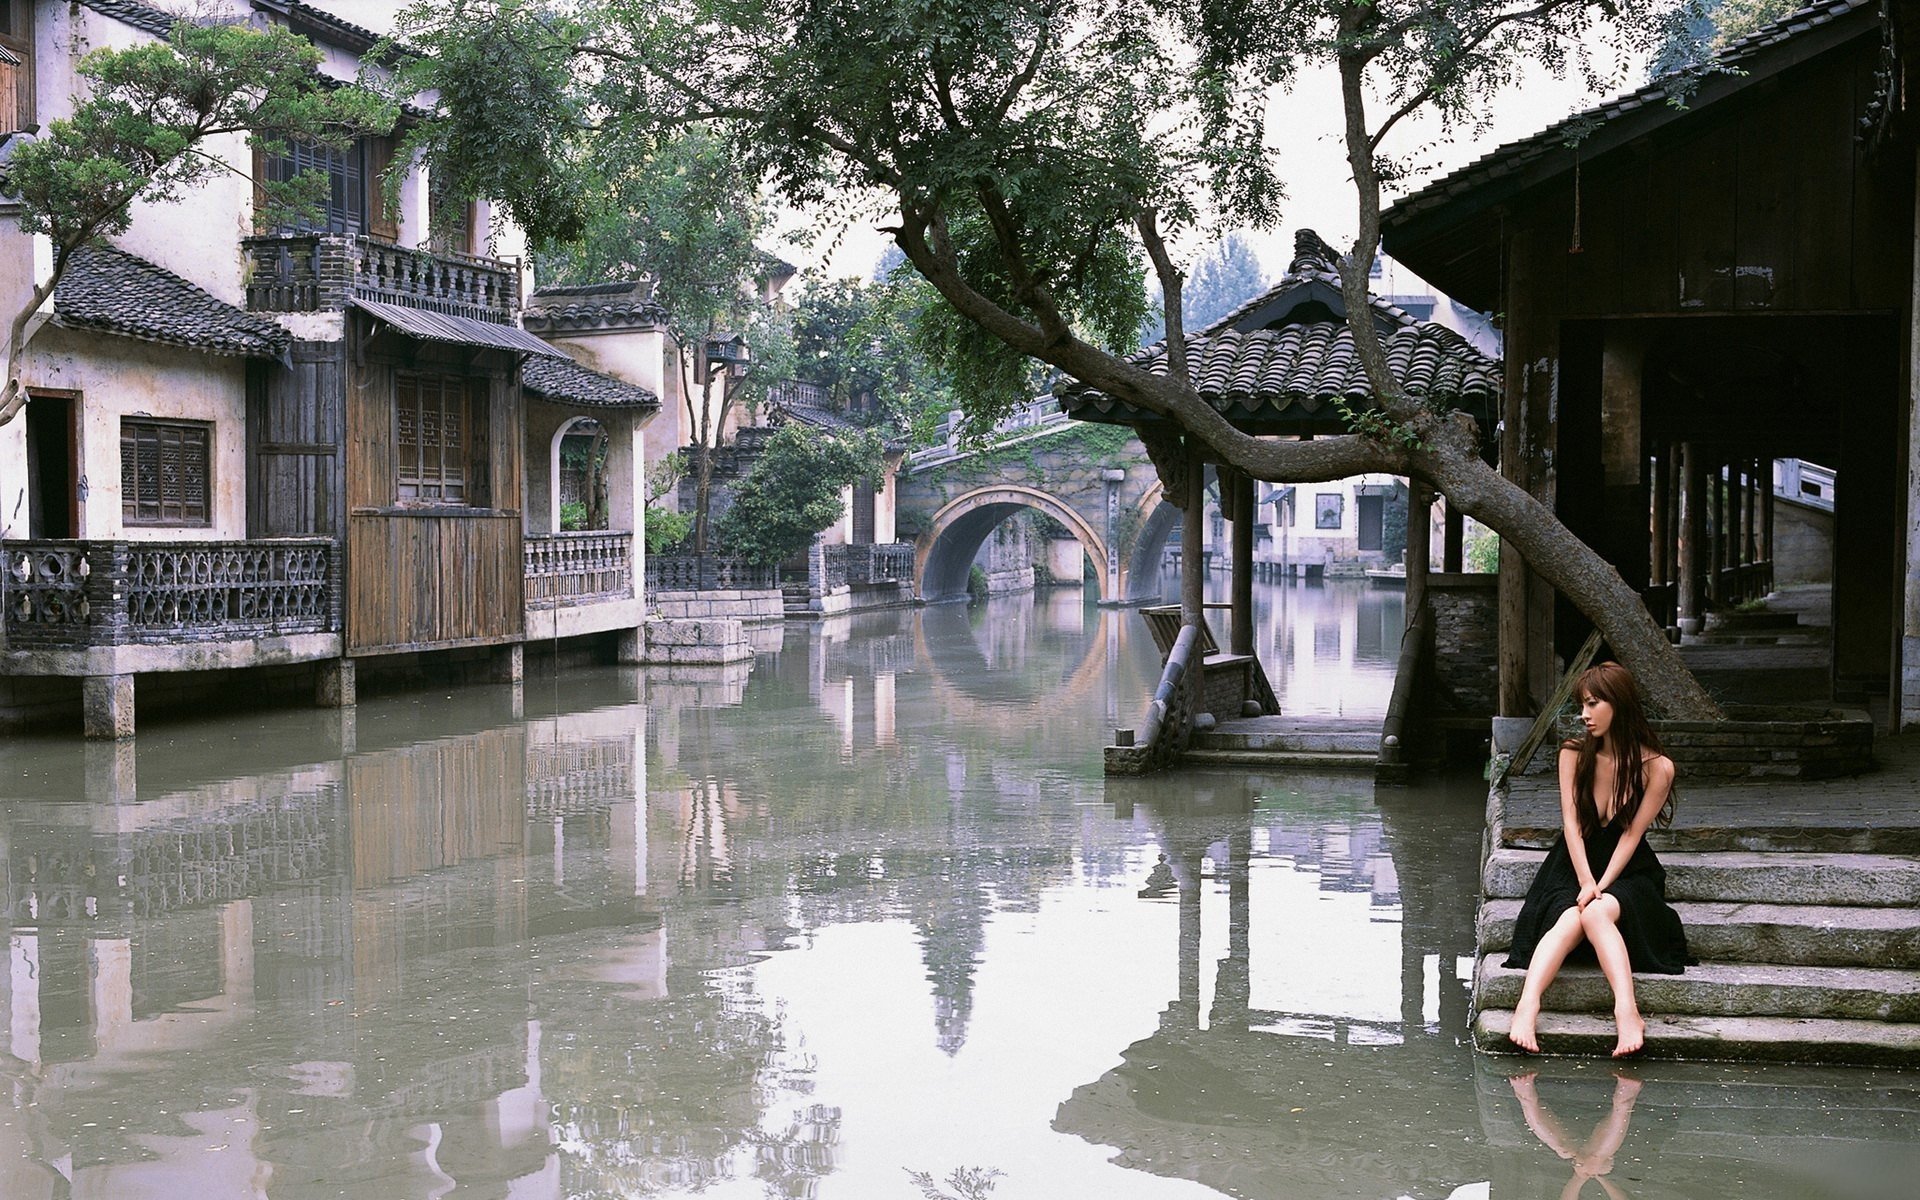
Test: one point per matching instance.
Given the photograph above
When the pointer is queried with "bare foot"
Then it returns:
(1522, 1032)
(1522, 1085)
(1633, 1034)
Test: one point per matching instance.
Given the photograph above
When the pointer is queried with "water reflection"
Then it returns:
(869, 910)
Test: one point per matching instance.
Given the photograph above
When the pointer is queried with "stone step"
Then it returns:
(1718, 989)
(1280, 758)
(1749, 877)
(1298, 739)
(1531, 832)
(1732, 1039)
(1813, 935)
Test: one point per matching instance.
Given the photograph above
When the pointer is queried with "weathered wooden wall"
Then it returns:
(1762, 206)
(420, 578)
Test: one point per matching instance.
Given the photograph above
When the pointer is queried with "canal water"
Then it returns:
(864, 922)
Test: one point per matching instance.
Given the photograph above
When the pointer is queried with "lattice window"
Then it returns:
(440, 440)
(343, 207)
(166, 472)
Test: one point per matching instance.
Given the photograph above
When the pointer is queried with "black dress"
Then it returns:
(1656, 943)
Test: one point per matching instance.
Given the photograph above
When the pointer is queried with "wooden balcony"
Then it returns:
(322, 272)
(74, 595)
(566, 569)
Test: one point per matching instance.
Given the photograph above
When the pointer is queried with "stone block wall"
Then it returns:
(1759, 743)
(707, 643)
(1466, 638)
(747, 605)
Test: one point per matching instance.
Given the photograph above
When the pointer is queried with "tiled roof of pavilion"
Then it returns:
(111, 291)
(1279, 362)
(623, 304)
(565, 381)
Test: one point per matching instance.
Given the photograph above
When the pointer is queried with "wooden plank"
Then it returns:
(1702, 246)
(1543, 724)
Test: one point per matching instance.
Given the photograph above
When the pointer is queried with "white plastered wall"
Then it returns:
(120, 377)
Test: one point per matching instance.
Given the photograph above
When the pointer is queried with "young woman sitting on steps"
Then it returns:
(1601, 893)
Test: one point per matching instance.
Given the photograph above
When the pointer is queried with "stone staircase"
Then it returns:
(1345, 743)
(1807, 952)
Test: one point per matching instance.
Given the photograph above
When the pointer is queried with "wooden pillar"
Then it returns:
(1419, 544)
(1717, 535)
(1659, 567)
(1749, 524)
(1193, 579)
(1766, 526)
(1453, 544)
(1692, 555)
(1241, 486)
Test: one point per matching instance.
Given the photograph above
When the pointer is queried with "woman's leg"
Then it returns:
(1553, 949)
(1601, 921)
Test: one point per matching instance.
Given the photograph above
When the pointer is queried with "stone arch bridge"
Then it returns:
(1093, 479)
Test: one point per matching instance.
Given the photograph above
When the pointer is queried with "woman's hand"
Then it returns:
(1588, 895)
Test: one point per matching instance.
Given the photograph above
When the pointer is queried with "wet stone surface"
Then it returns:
(867, 911)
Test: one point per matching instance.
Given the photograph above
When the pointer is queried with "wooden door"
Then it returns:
(53, 464)
(1371, 514)
(295, 428)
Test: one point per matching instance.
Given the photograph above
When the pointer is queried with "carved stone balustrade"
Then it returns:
(578, 568)
(323, 272)
(70, 594)
(707, 573)
(890, 562)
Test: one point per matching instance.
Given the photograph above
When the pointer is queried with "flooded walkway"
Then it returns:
(869, 911)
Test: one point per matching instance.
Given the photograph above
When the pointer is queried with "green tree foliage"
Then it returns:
(1027, 154)
(147, 129)
(858, 340)
(793, 491)
(1712, 25)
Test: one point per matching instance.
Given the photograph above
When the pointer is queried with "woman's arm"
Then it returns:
(1659, 783)
(1570, 824)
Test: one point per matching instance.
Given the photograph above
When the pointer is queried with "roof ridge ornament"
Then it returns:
(1312, 253)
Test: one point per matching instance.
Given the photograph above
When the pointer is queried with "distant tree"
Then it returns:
(1226, 275)
(1710, 26)
(141, 134)
(793, 491)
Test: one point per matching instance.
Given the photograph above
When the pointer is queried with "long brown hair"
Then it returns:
(1629, 737)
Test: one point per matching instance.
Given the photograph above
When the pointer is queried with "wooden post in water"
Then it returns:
(1193, 566)
(1419, 544)
(1241, 486)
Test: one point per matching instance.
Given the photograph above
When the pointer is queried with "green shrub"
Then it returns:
(573, 516)
(793, 492)
(666, 529)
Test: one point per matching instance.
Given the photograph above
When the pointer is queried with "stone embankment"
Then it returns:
(1801, 900)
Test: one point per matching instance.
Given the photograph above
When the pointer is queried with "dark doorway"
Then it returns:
(863, 514)
(1372, 515)
(53, 454)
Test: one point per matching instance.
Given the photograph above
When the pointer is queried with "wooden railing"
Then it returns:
(319, 272)
(787, 393)
(1167, 725)
(74, 594)
(707, 573)
(565, 569)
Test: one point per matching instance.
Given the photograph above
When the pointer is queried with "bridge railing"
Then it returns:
(1041, 412)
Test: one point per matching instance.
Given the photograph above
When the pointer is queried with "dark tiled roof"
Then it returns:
(1287, 354)
(131, 12)
(114, 292)
(619, 305)
(318, 20)
(1738, 61)
(834, 421)
(565, 381)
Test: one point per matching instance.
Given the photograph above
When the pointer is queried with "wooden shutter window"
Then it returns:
(344, 207)
(440, 441)
(166, 475)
